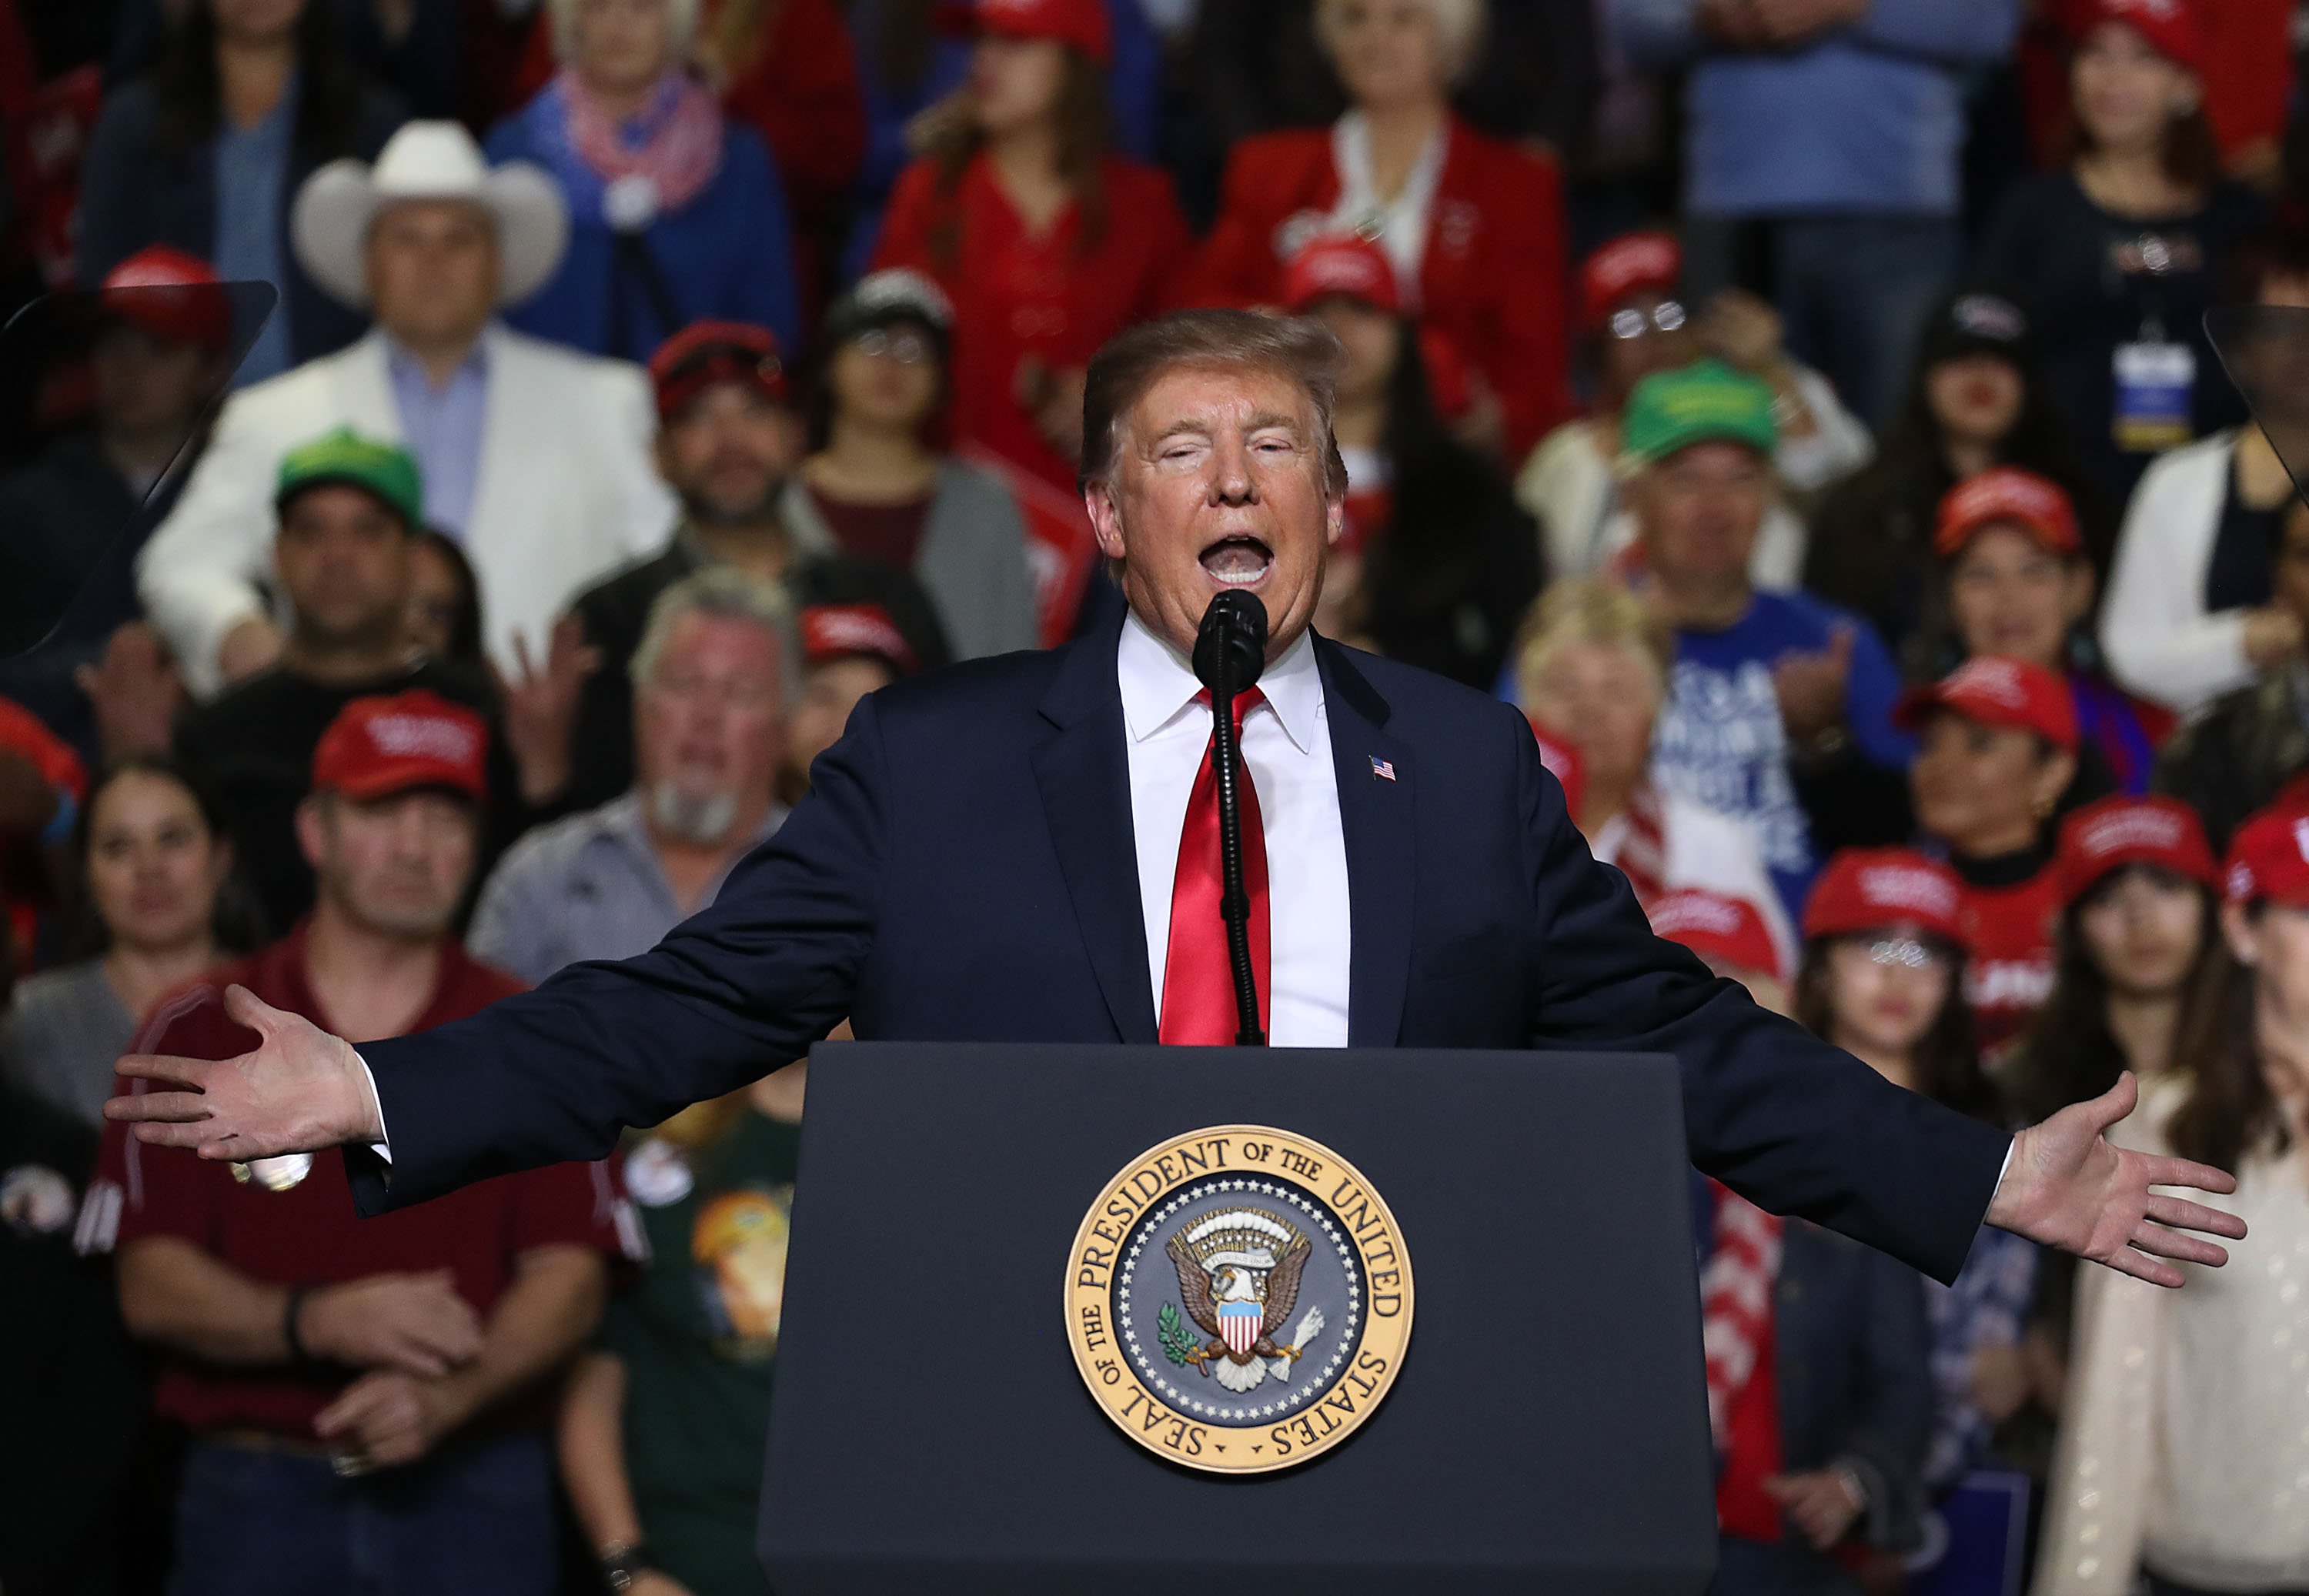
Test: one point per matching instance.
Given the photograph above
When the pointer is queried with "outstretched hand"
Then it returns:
(302, 1090)
(2069, 1187)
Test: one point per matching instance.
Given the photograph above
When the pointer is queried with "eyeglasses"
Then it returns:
(907, 349)
(1908, 952)
(1666, 316)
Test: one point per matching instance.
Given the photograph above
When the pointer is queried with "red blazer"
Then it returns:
(1023, 301)
(1493, 280)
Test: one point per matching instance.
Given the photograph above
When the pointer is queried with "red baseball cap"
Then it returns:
(378, 746)
(1564, 764)
(2118, 832)
(2171, 27)
(1996, 690)
(1716, 926)
(175, 295)
(845, 631)
(1344, 264)
(704, 353)
(2007, 493)
(1632, 260)
(1082, 23)
(2269, 857)
(1871, 889)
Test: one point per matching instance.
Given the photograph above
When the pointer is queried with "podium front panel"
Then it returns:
(930, 1434)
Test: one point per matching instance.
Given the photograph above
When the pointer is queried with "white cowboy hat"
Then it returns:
(428, 160)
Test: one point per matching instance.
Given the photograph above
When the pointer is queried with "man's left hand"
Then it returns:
(386, 1418)
(1820, 1503)
(2068, 1186)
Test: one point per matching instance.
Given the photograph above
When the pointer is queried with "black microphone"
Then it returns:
(1230, 652)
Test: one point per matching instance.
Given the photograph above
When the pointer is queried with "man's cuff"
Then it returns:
(2003, 1170)
(383, 1145)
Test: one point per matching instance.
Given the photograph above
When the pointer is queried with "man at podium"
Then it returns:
(1027, 849)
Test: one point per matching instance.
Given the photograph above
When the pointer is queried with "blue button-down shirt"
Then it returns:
(589, 886)
(442, 427)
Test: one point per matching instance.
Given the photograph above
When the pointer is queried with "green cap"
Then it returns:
(384, 470)
(1703, 403)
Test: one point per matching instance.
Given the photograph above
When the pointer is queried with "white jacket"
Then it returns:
(566, 491)
(2154, 631)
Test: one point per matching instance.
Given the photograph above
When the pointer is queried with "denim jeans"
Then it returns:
(476, 1518)
(1856, 291)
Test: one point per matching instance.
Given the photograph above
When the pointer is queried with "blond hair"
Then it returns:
(1131, 362)
(1459, 31)
(1589, 610)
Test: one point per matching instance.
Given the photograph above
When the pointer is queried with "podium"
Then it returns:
(934, 1433)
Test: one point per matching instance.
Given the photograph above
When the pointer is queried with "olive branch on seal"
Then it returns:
(1176, 1342)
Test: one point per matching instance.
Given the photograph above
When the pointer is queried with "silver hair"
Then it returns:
(680, 19)
(731, 594)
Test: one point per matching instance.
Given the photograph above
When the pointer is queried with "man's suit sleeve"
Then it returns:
(1796, 1126)
(738, 990)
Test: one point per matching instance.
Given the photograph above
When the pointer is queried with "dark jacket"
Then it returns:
(1851, 1356)
(135, 192)
(2232, 756)
(963, 869)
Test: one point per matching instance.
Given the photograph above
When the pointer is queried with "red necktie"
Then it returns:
(1197, 978)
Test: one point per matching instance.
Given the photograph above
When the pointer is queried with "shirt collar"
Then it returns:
(1159, 685)
(406, 368)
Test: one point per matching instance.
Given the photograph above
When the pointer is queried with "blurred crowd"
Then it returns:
(536, 423)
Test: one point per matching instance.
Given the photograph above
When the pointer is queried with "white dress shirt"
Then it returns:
(1286, 743)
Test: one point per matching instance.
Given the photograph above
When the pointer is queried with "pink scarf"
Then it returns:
(679, 147)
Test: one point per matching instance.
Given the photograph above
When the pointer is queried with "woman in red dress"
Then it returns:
(1047, 244)
(1472, 226)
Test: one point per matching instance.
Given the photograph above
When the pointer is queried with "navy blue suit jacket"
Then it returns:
(964, 870)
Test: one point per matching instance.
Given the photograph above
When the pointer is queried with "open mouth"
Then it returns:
(1237, 562)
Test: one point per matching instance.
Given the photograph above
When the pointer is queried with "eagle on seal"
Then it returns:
(1244, 1362)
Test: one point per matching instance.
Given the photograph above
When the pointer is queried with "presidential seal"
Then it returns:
(1239, 1299)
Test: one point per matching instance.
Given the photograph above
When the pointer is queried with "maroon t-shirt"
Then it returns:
(886, 534)
(308, 1233)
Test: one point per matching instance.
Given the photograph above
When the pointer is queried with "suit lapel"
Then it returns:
(1376, 814)
(1085, 776)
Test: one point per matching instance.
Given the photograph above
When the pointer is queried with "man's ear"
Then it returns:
(1334, 521)
(2053, 775)
(1105, 518)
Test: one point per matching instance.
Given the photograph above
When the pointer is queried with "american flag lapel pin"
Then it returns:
(1382, 769)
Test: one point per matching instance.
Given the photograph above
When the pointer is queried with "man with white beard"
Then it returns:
(710, 683)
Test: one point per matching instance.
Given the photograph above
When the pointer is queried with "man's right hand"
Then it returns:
(302, 1090)
(2272, 635)
(415, 1322)
(251, 647)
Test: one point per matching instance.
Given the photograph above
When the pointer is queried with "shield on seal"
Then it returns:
(1239, 1323)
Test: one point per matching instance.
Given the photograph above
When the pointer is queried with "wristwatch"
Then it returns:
(623, 1562)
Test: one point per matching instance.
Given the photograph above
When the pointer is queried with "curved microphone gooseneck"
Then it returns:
(1230, 652)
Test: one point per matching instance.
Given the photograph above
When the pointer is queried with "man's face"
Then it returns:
(433, 269)
(709, 728)
(344, 562)
(1699, 510)
(145, 385)
(728, 454)
(397, 864)
(827, 696)
(1218, 484)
